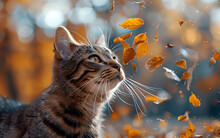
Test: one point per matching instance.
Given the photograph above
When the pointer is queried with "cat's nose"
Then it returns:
(117, 66)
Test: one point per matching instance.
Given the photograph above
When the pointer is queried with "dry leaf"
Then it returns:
(209, 128)
(128, 55)
(115, 116)
(154, 62)
(180, 22)
(217, 132)
(189, 133)
(155, 99)
(216, 56)
(113, 6)
(142, 49)
(181, 94)
(194, 100)
(132, 23)
(134, 67)
(142, 4)
(191, 126)
(170, 74)
(125, 36)
(156, 34)
(124, 44)
(184, 117)
(211, 61)
(141, 38)
(169, 46)
(162, 121)
(181, 63)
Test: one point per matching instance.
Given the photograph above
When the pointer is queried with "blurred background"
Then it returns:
(27, 30)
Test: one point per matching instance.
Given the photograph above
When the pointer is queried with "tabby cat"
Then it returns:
(85, 77)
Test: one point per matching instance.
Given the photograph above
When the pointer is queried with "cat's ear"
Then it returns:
(63, 43)
(101, 41)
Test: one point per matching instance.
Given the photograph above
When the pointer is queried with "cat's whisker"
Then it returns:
(107, 97)
(108, 40)
(87, 35)
(138, 97)
(123, 100)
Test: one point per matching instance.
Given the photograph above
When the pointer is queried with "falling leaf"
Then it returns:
(217, 132)
(181, 94)
(155, 99)
(115, 116)
(181, 117)
(216, 56)
(180, 22)
(125, 36)
(181, 63)
(189, 133)
(194, 100)
(113, 6)
(142, 3)
(191, 126)
(211, 61)
(188, 75)
(124, 44)
(154, 62)
(169, 46)
(132, 23)
(162, 121)
(141, 38)
(134, 67)
(156, 34)
(128, 55)
(142, 49)
(133, 133)
(170, 74)
(184, 117)
(209, 128)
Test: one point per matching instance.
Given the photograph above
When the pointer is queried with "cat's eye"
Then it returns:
(114, 57)
(94, 59)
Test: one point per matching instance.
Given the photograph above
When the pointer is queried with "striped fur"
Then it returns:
(85, 78)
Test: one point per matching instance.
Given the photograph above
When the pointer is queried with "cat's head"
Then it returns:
(93, 68)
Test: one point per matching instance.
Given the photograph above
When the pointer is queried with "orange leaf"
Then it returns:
(193, 99)
(189, 133)
(180, 22)
(181, 63)
(124, 44)
(170, 74)
(128, 55)
(132, 23)
(216, 56)
(191, 126)
(133, 133)
(217, 132)
(209, 128)
(142, 49)
(125, 36)
(142, 37)
(113, 6)
(142, 3)
(162, 121)
(115, 116)
(169, 46)
(154, 62)
(155, 99)
(181, 117)
(211, 61)
(134, 67)
(156, 34)
(127, 127)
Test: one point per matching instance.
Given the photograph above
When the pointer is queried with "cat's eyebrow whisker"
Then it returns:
(109, 38)
(87, 35)
(81, 37)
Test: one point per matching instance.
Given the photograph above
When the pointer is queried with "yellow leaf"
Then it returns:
(113, 6)
(191, 126)
(181, 63)
(124, 44)
(132, 23)
(125, 36)
(151, 98)
(195, 102)
(156, 34)
(142, 49)
(181, 117)
(142, 37)
(209, 128)
(211, 61)
(134, 67)
(216, 56)
(180, 22)
(128, 55)
(154, 62)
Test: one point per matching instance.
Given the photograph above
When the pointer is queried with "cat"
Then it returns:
(85, 77)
